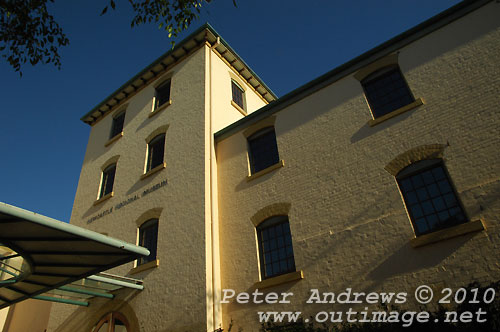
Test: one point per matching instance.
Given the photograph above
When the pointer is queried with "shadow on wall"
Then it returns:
(408, 259)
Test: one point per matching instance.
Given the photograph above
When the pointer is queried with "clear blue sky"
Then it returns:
(287, 43)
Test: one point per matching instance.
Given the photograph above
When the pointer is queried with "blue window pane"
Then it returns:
(433, 190)
(281, 242)
(439, 203)
(438, 173)
(430, 199)
(272, 233)
(443, 216)
(417, 181)
(406, 185)
(454, 211)
(433, 221)
(427, 207)
(279, 230)
(275, 253)
(411, 197)
(428, 178)
(444, 186)
(263, 150)
(265, 246)
(422, 194)
(421, 226)
(416, 211)
(276, 267)
(450, 200)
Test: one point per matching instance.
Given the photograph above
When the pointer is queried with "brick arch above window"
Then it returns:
(267, 122)
(149, 214)
(110, 161)
(160, 130)
(276, 209)
(422, 152)
(387, 61)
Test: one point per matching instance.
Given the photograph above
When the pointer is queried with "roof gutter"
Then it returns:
(392, 45)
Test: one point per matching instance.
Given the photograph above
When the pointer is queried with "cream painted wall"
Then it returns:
(348, 222)
(175, 291)
(180, 288)
(29, 315)
(225, 113)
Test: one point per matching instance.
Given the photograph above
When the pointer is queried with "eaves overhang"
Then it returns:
(41, 255)
(205, 35)
(392, 45)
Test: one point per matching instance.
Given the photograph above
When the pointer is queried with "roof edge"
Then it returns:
(71, 229)
(158, 61)
(420, 30)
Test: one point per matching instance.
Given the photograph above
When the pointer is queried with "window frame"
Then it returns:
(158, 92)
(421, 167)
(240, 94)
(113, 133)
(151, 151)
(110, 317)
(252, 155)
(378, 75)
(152, 223)
(267, 225)
(105, 180)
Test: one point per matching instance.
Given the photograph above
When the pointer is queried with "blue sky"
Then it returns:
(43, 141)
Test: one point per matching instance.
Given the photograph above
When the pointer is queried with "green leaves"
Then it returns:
(28, 33)
(172, 15)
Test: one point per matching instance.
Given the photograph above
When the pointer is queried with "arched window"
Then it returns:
(162, 94)
(238, 94)
(386, 90)
(262, 149)
(148, 238)
(107, 180)
(112, 322)
(275, 247)
(156, 150)
(429, 196)
(117, 124)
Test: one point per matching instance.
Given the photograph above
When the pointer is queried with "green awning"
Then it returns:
(47, 259)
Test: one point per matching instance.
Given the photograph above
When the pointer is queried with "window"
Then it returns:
(275, 247)
(429, 196)
(148, 238)
(386, 91)
(108, 178)
(156, 149)
(238, 94)
(263, 149)
(112, 322)
(117, 125)
(162, 94)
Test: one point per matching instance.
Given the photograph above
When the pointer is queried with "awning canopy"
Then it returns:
(40, 256)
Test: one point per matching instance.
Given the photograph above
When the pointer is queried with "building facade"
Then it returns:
(381, 175)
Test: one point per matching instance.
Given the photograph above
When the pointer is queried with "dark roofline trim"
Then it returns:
(160, 59)
(434, 23)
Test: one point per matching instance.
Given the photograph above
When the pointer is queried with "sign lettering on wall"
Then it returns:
(127, 201)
